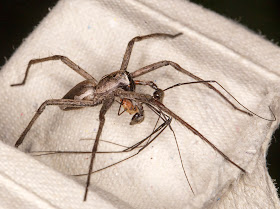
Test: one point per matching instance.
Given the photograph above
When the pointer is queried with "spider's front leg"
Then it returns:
(157, 65)
(145, 98)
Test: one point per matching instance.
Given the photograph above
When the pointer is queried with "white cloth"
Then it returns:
(94, 34)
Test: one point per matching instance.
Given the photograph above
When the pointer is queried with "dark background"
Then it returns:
(18, 18)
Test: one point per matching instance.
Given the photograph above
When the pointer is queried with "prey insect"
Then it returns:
(121, 85)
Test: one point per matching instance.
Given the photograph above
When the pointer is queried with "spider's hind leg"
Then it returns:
(63, 59)
(59, 102)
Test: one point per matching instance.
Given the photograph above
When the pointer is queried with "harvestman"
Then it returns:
(121, 84)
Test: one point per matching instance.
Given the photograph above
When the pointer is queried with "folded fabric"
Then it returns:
(94, 35)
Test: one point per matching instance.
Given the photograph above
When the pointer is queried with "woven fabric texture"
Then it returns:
(94, 35)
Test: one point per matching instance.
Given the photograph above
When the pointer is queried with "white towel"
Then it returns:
(94, 35)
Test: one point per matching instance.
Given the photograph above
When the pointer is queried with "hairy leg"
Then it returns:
(177, 67)
(147, 99)
(64, 102)
(65, 60)
(105, 107)
(130, 45)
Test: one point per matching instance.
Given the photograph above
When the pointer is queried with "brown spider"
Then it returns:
(121, 84)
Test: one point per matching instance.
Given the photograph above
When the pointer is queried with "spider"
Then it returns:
(121, 85)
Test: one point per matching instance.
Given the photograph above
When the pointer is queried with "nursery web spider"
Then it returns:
(121, 84)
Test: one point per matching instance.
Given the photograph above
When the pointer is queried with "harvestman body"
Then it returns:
(121, 84)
